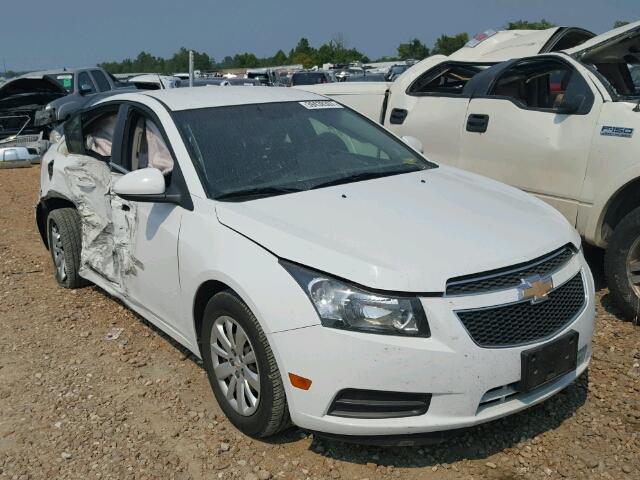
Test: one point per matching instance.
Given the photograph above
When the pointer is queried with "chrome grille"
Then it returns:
(510, 277)
(525, 322)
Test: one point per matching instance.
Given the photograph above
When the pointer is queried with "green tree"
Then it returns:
(413, 49)
(620, 23)
(280, 58)
(543, 24)
(446, 45)
(245, 60)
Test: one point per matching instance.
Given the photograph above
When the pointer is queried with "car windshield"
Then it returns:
(248, 151)
(65, 80)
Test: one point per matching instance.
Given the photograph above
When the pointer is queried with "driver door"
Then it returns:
(148, 231)
(534, 130)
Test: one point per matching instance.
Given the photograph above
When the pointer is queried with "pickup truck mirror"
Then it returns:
(85, 88)
(413, 142)
(571, 106)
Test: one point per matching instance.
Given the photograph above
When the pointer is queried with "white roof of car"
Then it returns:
(204, 97)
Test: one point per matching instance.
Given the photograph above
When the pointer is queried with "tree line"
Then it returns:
(334, 51)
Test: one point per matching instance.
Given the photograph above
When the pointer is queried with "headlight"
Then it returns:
(345, 306)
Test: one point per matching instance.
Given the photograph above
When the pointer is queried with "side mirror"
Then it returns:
(571, 106)
(144, 185)
(413, 142)
(85, 88)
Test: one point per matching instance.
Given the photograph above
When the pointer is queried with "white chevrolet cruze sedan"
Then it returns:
(327, 274)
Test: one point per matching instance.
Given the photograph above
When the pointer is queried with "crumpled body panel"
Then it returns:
(107, 239)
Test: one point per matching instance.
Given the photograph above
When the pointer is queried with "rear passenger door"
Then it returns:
(533, 129)
(433, 109)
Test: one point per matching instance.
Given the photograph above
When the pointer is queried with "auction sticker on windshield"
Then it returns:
(320, 104)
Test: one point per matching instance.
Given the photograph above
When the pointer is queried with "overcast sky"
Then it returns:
(45, 34)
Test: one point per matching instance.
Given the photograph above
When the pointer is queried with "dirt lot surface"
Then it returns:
(75, 404)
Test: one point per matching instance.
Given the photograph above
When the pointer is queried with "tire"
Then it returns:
(625, 238)
(65, 243)
(270, 414)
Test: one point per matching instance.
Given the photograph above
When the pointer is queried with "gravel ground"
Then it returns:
(77, 403)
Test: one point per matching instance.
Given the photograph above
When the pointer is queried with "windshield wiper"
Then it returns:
(257, 192)
(358, 177)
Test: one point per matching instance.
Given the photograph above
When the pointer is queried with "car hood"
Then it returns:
(22, 86)
(605, 39)
(400, 234)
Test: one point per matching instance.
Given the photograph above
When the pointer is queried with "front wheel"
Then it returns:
(622, 266)
(241, 367)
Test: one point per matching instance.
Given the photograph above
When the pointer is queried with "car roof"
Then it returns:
(205, 97)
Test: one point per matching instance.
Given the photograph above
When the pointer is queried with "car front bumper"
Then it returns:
(461, 377)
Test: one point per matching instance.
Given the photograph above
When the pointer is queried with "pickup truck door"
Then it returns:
(151, 278)
(432, 109)
(533, 129)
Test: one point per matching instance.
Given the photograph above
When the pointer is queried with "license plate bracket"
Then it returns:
(546, 363)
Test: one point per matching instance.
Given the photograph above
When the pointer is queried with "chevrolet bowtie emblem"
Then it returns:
(535, 288)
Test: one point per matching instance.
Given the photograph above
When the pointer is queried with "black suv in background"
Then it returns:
(309, 78)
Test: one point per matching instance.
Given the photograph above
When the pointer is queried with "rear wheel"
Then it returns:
(65, 243)
(622, 266)
(241, 367)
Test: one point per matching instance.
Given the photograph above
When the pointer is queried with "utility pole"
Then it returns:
(191, 68)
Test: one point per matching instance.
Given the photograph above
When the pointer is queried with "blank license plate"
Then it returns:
(546, 363)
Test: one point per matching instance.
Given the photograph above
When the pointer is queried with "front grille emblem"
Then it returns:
(535, 288)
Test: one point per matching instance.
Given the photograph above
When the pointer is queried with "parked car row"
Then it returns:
(553, 113)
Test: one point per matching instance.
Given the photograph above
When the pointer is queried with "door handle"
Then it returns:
(477, 123)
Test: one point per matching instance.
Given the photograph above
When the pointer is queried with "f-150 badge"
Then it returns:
(616, 132)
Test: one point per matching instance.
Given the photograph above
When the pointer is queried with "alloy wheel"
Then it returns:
(57, 249)
(235, 365)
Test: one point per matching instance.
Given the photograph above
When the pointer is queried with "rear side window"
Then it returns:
(84, 81)
(101, 80)
(449, 79)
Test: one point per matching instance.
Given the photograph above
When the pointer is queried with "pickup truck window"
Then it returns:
(101, 80)
(84, 81)
(290, 145)
(449, 79)
(543, 84)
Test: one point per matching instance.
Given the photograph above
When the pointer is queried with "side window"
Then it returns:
(101, 80)
(146, 147)
(545, 85)
(449, 79)
(98, 133)
(85, 82)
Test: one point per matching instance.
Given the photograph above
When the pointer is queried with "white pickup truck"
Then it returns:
(554, 113)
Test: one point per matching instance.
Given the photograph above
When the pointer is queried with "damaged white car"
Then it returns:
(561, 125)
(326, 273)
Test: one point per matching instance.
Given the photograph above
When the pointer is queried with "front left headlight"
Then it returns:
(345, 306)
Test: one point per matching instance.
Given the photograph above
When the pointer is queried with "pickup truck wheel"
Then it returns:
(622, 266)
(65, 242)
(241, 368)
